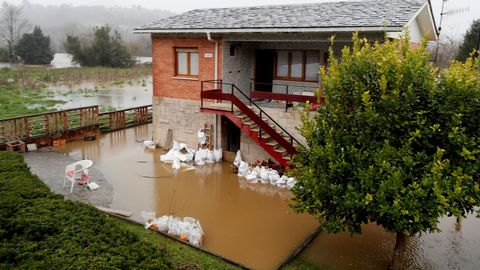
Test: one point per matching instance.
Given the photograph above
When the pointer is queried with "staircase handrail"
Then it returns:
(262, 112)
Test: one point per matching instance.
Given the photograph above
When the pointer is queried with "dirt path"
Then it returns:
(50, 168)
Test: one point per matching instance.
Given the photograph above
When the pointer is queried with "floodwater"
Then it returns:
(117, 96)
(64, 60)
(248, 223)
(457, 246)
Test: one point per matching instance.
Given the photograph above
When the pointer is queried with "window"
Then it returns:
(297, 65)
(186, 62)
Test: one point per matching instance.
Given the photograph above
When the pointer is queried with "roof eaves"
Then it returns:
(271, 30)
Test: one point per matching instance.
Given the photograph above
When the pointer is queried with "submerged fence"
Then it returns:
(71, 122)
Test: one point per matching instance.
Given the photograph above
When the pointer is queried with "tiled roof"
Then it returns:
(370, 13)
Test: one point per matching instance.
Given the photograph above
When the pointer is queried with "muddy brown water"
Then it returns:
(457, 246)
(252, 223)
(248, 223)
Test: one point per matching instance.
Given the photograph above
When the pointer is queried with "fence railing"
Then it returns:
(58, 123)
(111, 121)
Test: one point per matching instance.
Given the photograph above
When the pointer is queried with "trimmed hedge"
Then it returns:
(41, 230)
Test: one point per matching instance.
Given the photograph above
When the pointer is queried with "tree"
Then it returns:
(12, 27)
(105, 49)
(395, 144)
(34, 48)
(471, 41)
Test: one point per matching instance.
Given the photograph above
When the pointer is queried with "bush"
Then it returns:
(41, 230)
(34, 48)
(396, 143)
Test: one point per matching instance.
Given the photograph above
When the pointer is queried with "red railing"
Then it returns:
(234, 96)
(283, 92)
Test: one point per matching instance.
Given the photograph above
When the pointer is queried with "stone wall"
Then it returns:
(182, 116)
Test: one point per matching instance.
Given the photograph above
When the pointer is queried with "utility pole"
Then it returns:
(439, 30)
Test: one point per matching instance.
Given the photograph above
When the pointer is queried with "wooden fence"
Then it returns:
(70, 123)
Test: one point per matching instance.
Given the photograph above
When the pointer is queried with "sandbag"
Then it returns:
(185, 230)
(162, 223)
(210, 158)
(264, 174)
(202, 137)
(176, 146)
(176, 164)
(217, 155)
(273, 177)
(251, 175)
(174, 227)
(243, 168)
(147, 216)
(189, 220)
(291, 182)
(200, 156)
(238, 159)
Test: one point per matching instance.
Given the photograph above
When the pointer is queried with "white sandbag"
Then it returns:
(162, 223)
(189, 220)
(273, 177)
(251, 175)
(202, 137)
(174, 227)
(200, 156)
(264, 174)
(185, 230)
(176, 146)
(291, 182)
(210, 158)
(150, 144)
(195, 239)
(217, 155)
(147, 216)
(176, 164)
(238, 159)
(243, 168)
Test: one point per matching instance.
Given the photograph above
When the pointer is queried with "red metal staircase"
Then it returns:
(252, 120)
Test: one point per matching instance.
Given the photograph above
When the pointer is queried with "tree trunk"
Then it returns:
(399, 252)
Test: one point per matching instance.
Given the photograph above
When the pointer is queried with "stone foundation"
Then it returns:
(182, 116)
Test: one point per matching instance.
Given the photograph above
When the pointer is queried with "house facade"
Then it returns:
(236, 71)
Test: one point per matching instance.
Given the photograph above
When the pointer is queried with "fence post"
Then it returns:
(260, 130)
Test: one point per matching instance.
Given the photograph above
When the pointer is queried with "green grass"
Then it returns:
(182, 256)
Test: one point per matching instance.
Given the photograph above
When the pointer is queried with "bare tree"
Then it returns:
(12, 26)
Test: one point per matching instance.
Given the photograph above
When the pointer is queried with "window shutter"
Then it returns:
(282, 64)
(312, 66)
(297, 64)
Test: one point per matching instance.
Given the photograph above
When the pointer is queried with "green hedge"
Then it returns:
(41, 230)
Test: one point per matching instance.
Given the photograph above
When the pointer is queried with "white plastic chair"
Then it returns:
(75, 170)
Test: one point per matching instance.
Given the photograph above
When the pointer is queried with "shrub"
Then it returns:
(40, 230)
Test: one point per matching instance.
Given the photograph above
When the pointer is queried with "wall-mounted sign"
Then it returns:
(208, 55)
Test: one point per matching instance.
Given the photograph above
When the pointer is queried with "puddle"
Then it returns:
(248, 223)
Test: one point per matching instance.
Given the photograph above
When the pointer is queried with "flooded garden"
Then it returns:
(252, 223)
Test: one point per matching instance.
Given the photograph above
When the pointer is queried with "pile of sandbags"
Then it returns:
(179, 153)
(262, 174)
(203, 156)
(187, 229)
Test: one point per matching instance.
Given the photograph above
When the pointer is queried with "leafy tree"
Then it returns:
(12, 27)
(395, 144)
(34, 48)
(471, 41)
(105, 50)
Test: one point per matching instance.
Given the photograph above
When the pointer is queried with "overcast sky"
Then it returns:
(461, 12)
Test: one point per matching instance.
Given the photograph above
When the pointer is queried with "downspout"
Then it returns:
(215, 117)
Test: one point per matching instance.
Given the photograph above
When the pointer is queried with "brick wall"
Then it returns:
(163, 65)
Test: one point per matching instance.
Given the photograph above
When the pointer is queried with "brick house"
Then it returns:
(219, 67)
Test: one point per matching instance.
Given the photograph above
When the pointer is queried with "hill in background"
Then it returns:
(59, 21)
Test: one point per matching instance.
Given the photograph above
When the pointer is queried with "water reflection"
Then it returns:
(457, 246)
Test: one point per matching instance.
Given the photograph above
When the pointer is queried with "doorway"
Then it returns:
(264, 60)
(230, 135)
